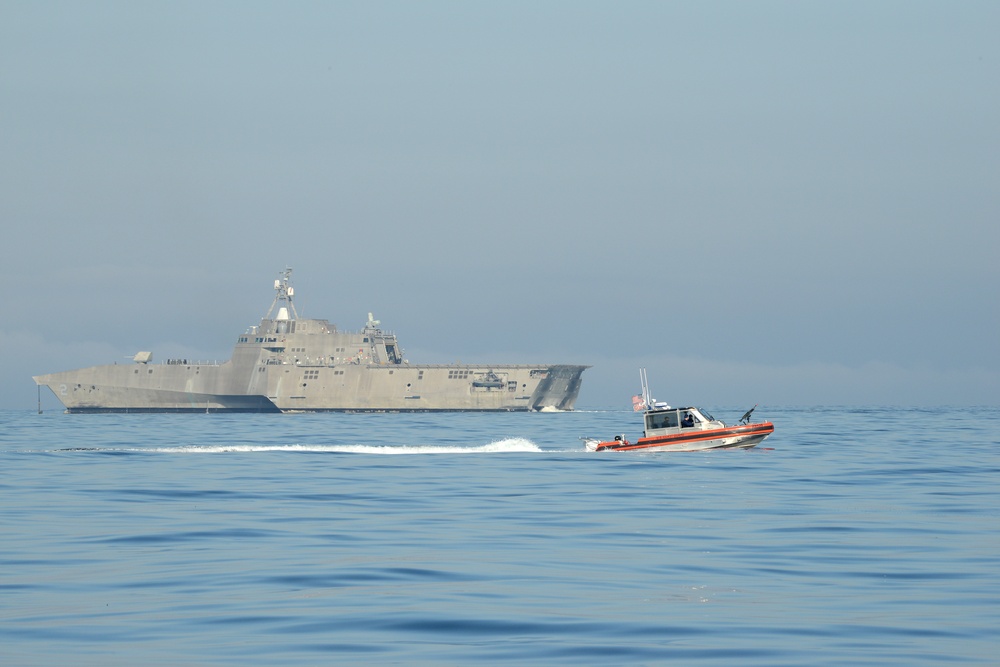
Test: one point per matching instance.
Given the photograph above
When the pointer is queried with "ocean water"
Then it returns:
(851, 536)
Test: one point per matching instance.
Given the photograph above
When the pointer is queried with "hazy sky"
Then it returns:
(781, 203)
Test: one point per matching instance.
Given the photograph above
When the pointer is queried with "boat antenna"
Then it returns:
(646, 398)
(283, 293)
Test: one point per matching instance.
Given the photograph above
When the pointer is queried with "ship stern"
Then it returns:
(559, 389)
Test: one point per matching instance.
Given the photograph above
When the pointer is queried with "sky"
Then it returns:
(774, 203)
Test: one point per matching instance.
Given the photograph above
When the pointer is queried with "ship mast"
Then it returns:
(283, 294)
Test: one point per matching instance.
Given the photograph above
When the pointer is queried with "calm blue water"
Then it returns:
(851, 537)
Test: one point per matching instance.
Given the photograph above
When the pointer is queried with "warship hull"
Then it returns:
(370, 388)
(287, 364)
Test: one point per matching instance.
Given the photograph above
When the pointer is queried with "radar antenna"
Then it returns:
(283, 293)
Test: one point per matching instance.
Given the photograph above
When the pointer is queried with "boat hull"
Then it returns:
(743, 436)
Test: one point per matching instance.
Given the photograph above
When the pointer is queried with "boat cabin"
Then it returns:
(663, 421)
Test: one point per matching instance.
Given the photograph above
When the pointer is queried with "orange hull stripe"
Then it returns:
(765, 428)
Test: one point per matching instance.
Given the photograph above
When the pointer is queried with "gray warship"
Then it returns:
(288, 364)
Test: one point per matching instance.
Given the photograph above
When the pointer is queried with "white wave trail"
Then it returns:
(497, 447)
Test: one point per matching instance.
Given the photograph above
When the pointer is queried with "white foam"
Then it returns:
(496, 447)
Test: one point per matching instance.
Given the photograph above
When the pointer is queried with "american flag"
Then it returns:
(638, 405)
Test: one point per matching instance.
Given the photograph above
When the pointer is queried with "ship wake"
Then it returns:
(507, 445)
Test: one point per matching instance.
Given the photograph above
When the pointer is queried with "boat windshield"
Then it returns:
(661, 419)
(705, 414)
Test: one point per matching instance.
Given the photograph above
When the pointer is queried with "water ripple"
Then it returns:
(859, 537)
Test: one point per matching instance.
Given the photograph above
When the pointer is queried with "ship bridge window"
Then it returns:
(390, 352)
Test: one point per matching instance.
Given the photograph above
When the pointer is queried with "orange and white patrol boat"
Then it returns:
(688, 429)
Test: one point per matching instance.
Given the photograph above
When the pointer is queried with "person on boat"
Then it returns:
(688, 420)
